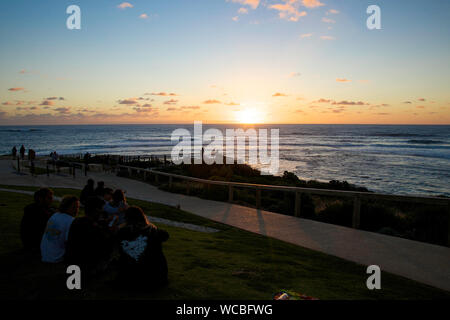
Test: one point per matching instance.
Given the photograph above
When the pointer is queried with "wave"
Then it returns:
(425, 141)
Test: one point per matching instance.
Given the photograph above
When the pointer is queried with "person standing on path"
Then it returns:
(22, 152)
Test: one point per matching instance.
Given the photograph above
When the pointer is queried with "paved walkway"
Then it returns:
(426, 263)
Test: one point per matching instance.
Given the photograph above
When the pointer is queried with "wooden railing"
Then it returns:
(357, 197)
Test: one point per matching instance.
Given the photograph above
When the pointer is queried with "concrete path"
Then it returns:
(426, 263)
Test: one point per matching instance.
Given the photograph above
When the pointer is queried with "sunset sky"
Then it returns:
(271, 61)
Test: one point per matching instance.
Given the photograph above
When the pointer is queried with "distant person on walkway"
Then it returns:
(87, 157)
(88, 191)
(115, 210)
(99, 189)
(53, 244)
(14, 152)
(142, 263)
(35, 218)
(31, 155)
(90, 243)
(22, 152)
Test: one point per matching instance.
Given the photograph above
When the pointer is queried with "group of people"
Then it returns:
(111, 233)
(31, 153)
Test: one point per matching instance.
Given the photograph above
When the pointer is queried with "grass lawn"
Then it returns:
(230, 264)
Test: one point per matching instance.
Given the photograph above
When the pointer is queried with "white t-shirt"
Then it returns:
(53, 244)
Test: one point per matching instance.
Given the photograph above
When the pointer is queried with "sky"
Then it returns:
(224, 61)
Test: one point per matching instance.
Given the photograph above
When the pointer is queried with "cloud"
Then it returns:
(235, 18)
(407, 102)
(326, 20)
(143, 16)
(212, 101)
(306, 35)
(422, 99)
(288, 10)
(55, 98)
(232, 104)
(350, 103)
(420, 107)
(278, 94)
(63, 110)
(171, 101)
(322, 100)
(312, 3)
(343, 80)
(252, 3)
(16, 89)
(129, 101)
(327, 38)
(125, 5)
(162, 94)
(332, 11)
(243, 11)
(294, 74)
(47, 103)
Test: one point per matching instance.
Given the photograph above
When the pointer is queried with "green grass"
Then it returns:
(230, 264)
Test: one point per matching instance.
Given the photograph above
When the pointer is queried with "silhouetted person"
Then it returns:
(142, 263)
(22, 152)
(35, 219)
(53, 244)
(90, 243)
(87, 157)
(14, 152)
(88, 191)
(99, 189)
(115, 210)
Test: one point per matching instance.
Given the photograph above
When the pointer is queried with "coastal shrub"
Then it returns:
(339, 213)
(430, 224)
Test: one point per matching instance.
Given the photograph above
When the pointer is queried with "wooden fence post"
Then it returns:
(188, 188)
(298, 203)
(230, 194)
(356, 212)
(170, 182)
(258, 198)
(156, 179)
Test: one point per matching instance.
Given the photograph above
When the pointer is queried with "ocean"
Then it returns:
(397, 159)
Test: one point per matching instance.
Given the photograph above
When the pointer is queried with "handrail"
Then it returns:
(328, 192)
(357, 196)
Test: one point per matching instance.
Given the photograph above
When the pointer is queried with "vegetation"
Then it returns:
(230, 264)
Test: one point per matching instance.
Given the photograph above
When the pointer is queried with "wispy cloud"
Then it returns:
(212, 101)
(143, 16)
(311, 3)
(171, 102)
(343, 80)
(288, 10)
(125, 5)
(306, 35)
(279, 94)
(16, 89)
(327, 20)
(327, 38)
(252, 3)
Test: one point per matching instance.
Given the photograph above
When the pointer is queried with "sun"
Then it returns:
(249, 116)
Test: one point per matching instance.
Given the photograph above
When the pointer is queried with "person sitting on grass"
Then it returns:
(88, 191)
(107, 196)
(116, 208)
(53, 244)
(99, 190)
(142, 264)
(35, 218)
(89, 244)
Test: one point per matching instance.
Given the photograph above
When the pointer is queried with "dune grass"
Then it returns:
(230, 264)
